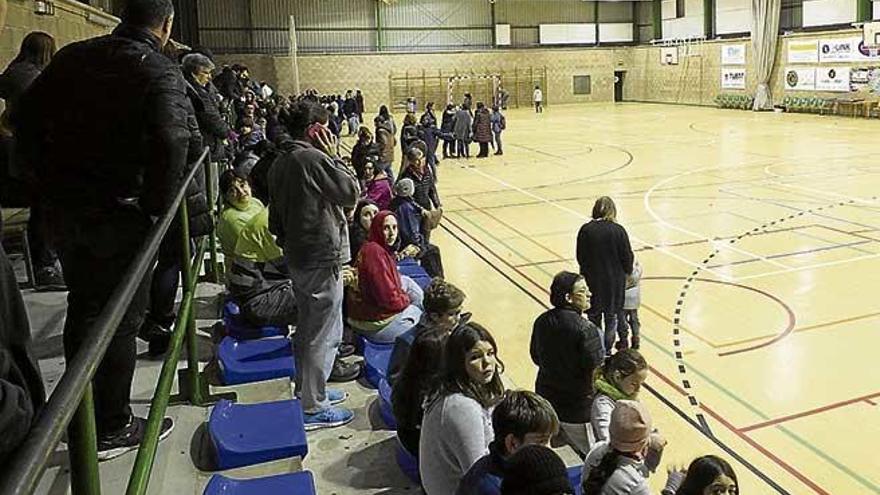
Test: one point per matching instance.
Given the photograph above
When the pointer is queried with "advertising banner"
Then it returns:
(800, 79)
(803, 51)
(832, 79)
(733, 54)
(733, 78)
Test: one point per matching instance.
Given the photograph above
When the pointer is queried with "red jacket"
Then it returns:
(380, 293)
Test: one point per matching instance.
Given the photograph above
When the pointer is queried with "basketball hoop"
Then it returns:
(870, 39)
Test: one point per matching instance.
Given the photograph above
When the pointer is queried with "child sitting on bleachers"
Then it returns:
(410, 217)
(522, 418)
(457, 427)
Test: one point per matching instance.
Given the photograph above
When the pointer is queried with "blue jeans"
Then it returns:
(404, 320)
(610, 328)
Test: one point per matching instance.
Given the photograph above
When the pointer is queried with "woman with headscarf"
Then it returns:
(384, 304)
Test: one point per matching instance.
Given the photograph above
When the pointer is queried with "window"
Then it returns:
(679, 9)
(581, 85)
(791, 17)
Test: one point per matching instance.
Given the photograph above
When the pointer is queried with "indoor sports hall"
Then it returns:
(735, 137)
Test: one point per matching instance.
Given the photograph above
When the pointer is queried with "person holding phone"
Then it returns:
(309, 190)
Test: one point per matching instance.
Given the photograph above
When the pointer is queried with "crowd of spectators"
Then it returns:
(312, 238)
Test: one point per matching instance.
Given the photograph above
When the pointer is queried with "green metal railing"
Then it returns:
(71, 404)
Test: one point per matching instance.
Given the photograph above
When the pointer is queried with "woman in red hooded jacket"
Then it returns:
(383, 304)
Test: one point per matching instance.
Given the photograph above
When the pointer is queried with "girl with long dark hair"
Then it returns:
(708, 475)
(457, 427)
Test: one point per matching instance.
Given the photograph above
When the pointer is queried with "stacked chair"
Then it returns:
(734, 101)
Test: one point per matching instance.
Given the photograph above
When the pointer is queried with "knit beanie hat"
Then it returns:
(405, 188)
(535, 470)
(630, 426)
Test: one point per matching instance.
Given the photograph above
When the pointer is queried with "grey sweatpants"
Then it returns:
(318, 293)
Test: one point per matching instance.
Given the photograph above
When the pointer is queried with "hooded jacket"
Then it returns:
(308, 193)
(381, 293)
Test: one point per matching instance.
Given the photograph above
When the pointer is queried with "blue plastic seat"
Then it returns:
(247, 434)
(236, 327)
(248, 361)
(385, 407)
(376, 359)
(413, 270)
(301, 483)
(408, 464)
(574, 477)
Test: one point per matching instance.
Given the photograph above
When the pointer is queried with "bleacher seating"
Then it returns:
(408, 464)
(300, 483)
(574, 477)
(735, 101)
(385, 407)
(249, 361)
(376, 359)
(237, 328)
(15, 229)
(247, 434)
(413, 270)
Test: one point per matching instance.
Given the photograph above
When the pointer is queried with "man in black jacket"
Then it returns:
(105, 128)
(21, 388)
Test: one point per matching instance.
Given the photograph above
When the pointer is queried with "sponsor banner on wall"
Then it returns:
(832, 79)
(846, 50)
(838, 50)
(733, 78)
(803, 51)
(800, 79)
(733, 54)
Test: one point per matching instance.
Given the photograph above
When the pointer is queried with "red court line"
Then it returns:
(754, 444)
(811, 412)
(747, 439)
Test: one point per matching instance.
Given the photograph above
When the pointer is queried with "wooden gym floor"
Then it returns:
(759, 238)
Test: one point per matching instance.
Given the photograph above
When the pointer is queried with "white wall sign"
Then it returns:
(733, 78)
(803, 51)
(832, 79)
(838, 50)
(502, 34)
(800, 79)
(669, 55)
(733, 54)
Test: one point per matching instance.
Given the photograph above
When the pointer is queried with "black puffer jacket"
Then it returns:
(106, 120)
(214, 129)
(200, 220)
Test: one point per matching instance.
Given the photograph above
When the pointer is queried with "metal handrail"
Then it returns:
(73, 394)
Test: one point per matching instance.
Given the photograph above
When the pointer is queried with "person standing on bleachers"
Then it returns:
(310, 189)
(37, 50)
(105, 129)
(21, 387)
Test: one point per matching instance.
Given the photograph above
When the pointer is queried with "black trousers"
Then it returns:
(166, 278)
(484, 150)
(95, 250)
(429, 258)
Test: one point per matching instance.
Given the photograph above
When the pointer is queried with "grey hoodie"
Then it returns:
(308, 193)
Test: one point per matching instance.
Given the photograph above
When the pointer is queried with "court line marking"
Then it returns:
(584, 217)
(646, 200)
(811, 412)
(753, 443)
(817, 326)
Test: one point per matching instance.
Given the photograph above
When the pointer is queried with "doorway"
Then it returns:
(618, 85)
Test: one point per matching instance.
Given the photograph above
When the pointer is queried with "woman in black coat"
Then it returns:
(605, 258)
(446, 126)
(567, 350)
